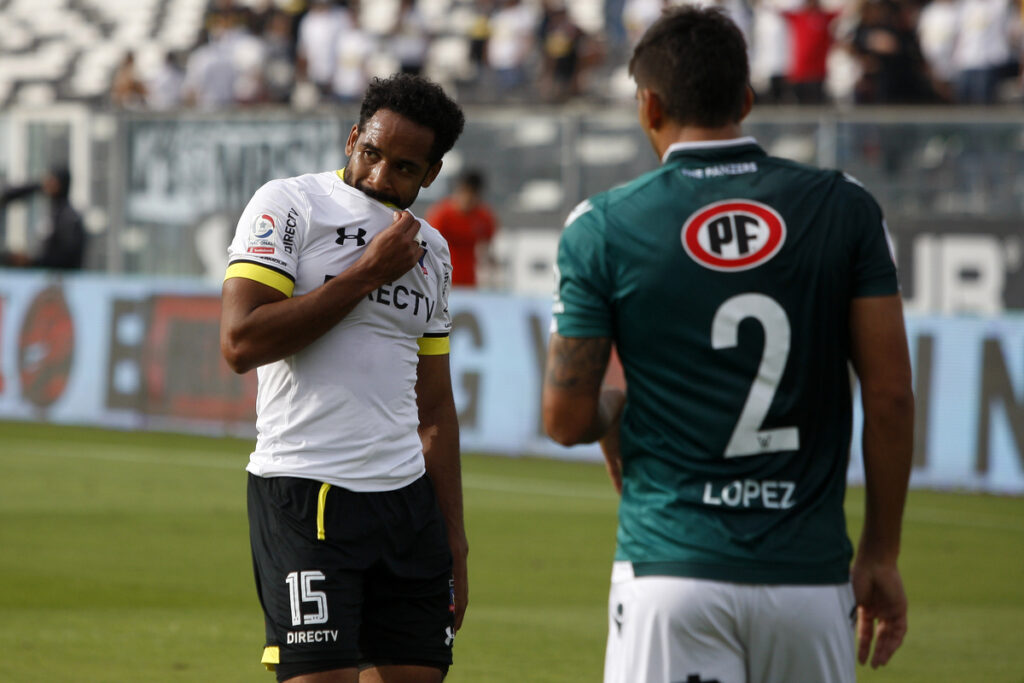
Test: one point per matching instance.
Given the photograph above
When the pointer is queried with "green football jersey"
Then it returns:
(725, 279)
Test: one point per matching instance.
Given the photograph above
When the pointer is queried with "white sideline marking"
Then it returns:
(25, 447)
(540, 487)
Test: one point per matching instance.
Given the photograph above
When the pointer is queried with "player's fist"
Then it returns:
(396, 249)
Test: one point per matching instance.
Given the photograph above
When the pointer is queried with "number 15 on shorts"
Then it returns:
(300, 590)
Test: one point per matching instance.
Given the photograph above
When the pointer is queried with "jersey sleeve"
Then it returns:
(873, 267)
(268, 238)
(435, 341)
(582, 305)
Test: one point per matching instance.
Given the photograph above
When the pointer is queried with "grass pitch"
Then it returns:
(124, 557)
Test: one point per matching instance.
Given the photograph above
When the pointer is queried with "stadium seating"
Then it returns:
(72, 47)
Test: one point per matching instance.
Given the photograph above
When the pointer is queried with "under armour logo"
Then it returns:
(449, 633)
(618, 618)
(358, 237)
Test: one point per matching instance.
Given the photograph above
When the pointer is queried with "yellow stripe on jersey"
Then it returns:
(266, 276)
(321, 503)
(433, 346)
(271, 657)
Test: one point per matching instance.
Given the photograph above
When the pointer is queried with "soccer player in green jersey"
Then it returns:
(736, 288)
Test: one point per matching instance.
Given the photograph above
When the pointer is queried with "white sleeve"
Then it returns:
(441, 322)
(268, 237)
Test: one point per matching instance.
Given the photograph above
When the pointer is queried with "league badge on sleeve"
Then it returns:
(261, 234)
(733, 235)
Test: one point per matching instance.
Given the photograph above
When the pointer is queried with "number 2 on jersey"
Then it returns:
(748, 438)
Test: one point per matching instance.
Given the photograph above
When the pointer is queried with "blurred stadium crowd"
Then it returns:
(167, 54)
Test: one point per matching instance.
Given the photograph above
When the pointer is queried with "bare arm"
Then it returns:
(577, 409)
(259, 324)
(882, 362)
(439, 432)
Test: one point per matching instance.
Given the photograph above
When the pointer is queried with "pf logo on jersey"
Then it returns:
(733, 235)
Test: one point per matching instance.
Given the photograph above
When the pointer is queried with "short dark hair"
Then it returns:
(695, 59)
(419, 100)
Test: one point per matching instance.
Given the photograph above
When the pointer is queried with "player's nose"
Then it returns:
(380, 179)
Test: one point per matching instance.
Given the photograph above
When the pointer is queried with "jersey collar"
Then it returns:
(683, 147)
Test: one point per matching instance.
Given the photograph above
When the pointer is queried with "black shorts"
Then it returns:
(350, 579)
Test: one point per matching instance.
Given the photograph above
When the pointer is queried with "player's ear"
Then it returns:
(353, 135)
(651, 108)
(748, 102)
(431, 175)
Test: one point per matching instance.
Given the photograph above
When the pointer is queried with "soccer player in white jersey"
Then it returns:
(737, 289)
(339, 298)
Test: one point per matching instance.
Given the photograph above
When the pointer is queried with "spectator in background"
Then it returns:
(249, 58)
(352, 54)
(937, 30)
(63, 247)
(770, 52)
(209, 74)
(279, 67)
(163, 88)
(510, 44)
(467, 223)
(810, 35)
(615, 28)
(561, 43)
(893, 69)
(410, 39)
(318, 41)
(478, 33)
(983, 49)
(128, 90)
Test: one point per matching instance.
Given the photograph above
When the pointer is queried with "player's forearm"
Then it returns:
(276, 330)
(888, 447)
(439, 433)
(572, 421)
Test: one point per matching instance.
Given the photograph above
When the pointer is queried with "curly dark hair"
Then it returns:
(419, 100)
(695, 59)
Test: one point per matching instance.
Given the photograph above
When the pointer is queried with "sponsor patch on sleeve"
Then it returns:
(261, 234)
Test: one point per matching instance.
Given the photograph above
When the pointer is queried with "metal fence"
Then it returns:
(161, 193)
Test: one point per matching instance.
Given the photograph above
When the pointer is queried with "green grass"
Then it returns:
(124, 557)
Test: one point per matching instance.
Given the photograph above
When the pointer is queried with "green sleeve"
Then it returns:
(873, 267)
(582, 286)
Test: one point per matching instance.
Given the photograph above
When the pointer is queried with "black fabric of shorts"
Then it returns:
(376, 588)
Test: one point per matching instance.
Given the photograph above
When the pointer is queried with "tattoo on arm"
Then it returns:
(577, 363)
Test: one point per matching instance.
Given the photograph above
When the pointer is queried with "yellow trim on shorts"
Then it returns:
(321, 503)
(266, 276)
(433, 346)
(271, 657)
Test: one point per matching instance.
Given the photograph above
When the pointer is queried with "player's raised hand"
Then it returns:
(395, 250)
(881, 610)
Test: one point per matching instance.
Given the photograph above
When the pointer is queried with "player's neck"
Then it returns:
(669, 135)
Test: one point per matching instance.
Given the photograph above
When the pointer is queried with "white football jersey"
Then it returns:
(343, 409)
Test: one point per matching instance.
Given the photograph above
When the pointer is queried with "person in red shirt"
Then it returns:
(466, 222)
(810, 38)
